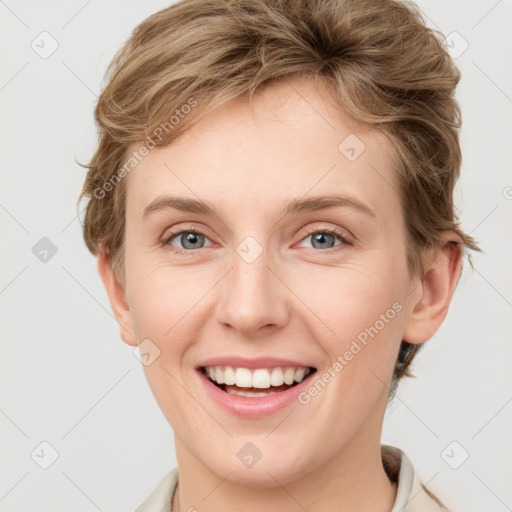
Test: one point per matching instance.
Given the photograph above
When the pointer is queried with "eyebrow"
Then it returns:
(299, 205)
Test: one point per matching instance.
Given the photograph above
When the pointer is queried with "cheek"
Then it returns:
(165, 308)
(362, 313)
(168, 308)
(163, 299)
(362, 318)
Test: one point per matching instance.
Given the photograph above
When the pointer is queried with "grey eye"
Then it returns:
(190, 239)
(322, 240)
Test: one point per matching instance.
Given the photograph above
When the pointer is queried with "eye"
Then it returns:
(190, 240)
(324, 238)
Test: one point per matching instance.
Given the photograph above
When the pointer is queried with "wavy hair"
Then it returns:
(385, 67)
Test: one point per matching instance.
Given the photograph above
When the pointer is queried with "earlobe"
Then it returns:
(116, 296)
(443, 266)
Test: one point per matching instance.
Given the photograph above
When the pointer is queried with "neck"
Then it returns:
(352, 479)
(318, 494)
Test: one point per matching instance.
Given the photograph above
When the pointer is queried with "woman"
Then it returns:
(271, 203)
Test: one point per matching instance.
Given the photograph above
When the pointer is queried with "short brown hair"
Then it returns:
(383, 65)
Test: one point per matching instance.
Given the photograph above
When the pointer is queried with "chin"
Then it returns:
(279, 469)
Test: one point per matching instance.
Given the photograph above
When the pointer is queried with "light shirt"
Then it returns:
(411, 494)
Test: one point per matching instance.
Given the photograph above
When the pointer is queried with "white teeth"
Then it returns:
(276, 377)
(250, 393)
(243, 377)
(299, 374)
(229, 376)
(219, 375)
(261, 378)
(289, 376)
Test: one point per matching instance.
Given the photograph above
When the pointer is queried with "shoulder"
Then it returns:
(161, 498)
(411, 495)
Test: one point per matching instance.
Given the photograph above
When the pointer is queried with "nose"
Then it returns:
(253, 300)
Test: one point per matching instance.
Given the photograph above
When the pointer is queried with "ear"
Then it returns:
(116, 296)
(435, 290)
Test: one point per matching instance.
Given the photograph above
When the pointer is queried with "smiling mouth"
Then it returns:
(256, 383)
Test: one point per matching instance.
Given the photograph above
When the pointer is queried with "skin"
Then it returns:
(296, 300)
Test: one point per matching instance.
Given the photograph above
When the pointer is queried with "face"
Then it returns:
(269, 276)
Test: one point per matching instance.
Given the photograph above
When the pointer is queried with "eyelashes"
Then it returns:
(197, 234)
(171, 237)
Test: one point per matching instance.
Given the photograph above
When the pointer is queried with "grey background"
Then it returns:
(67, 378)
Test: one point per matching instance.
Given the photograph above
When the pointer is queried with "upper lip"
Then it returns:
(258, 362)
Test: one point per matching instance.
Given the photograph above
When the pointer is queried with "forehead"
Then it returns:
(293, 140)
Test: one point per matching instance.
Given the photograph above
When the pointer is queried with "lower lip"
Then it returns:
(253, 407)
